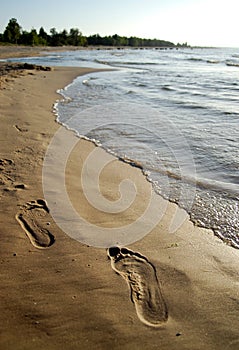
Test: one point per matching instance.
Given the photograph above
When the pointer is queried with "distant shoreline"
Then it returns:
(18, 51)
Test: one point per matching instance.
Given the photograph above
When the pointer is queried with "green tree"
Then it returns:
(74, 37)
(25, 38)
(55, 38)
(12, 32)
(94, 39)
(43, 37)
(133, 41)
(115, 40)
(63, 37)
(34, 39)
(124, 41)
(30, 38)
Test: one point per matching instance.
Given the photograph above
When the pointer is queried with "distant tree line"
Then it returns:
(14, 34)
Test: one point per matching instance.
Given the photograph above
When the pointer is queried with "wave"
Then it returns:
(228, 189)
(196, 59)
(86, 82)
(232, 64)
(82, 59)
(231, 113)
(190, 105)
(125, 63)
(231, 190)
(210, 61)
(213, 61)
(167, 88)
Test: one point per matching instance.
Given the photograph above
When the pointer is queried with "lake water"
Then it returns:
(176, 112)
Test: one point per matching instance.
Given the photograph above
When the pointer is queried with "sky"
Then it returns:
(197, 22)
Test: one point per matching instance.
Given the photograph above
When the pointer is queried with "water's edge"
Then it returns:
(131, 162)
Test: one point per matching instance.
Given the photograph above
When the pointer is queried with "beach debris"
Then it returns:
(10, 70)
(131, 162)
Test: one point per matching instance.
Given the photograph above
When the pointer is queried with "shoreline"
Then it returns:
(18, 51)
(67, 293)
(137, 164)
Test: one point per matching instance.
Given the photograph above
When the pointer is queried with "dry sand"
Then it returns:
(166, 291)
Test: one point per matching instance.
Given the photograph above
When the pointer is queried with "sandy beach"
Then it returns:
(166, 291)
(10, 51)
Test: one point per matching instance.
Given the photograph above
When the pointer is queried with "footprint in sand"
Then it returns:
(141, 277)
(32, 218)
(7, 178)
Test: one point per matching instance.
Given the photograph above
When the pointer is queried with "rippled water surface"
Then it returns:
(174, 111)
